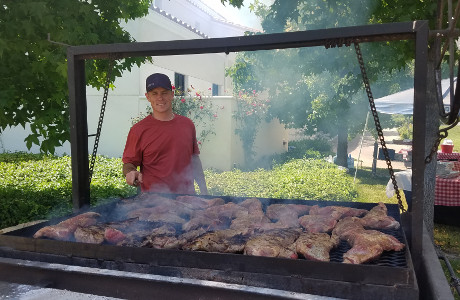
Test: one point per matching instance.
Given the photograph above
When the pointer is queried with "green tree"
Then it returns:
(33, 70)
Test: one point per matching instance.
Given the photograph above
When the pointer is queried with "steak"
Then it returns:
(318, 223)
(378, 218)
(366, 245)
(277, 211)
(337, 212)
(65, 229)
(92, 234)
(316, 246)
(200, 203)
(274, 243)
(224, 241)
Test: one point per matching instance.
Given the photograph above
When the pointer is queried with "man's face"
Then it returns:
(160, 99)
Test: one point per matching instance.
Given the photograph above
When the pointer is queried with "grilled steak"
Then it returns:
(224, 241)
(275, 243)
(318, 223)
(378, 218)
(337, 212)
(92, 234)
(169, 241)
(200, 203)
(366, 244)
(316, 246)
(65, 229)
(278, 211)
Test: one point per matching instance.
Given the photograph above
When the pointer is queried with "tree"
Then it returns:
(33, 70)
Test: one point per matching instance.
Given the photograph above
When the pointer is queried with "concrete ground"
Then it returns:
(365, 153)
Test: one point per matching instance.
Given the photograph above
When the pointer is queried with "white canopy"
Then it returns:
(403, 102)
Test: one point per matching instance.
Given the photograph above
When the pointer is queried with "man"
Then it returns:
(164, 146)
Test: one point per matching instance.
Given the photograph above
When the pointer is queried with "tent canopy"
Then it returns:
(403, 102)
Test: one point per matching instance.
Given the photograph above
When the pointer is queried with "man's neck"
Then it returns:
(167, 116)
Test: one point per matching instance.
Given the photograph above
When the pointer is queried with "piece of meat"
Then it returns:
(253, 205)
(369, 245)
(208, 223)
(92, 234)
(229, 210)
(278, 211)
(223, 241)
(114, 236)
(275, 243)
(169, 241)
(377, 218)
(200, 203)
(318, 223)
(65, 229)
(338, 212)
(163, 217)
(366, 244)
(316, 246)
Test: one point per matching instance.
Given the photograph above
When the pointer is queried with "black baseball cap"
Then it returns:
(157, 80)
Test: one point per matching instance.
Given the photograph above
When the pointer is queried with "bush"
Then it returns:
(316, 148)
(37, 186)
(298, 179)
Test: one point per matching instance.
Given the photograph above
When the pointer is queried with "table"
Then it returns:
(447, 190)
(448, 156)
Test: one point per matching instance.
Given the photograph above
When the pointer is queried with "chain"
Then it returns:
(101, 118)
(442, 134)
(378, 127)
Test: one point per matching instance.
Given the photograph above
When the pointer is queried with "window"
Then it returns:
(215, 89)
(179, 83)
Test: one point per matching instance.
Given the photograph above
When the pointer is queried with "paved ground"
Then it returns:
(365, 153)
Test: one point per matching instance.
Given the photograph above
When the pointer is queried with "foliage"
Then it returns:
(37, 186)
(33, 71)
(197, 106)
(297, 179)
(404, 125)
(251, 110)
(315, 147)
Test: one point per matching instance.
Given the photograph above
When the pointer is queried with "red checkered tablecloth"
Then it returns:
(448, 156)
(447, 191)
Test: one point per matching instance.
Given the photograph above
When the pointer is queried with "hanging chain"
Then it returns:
(101, 118)
(378, 127)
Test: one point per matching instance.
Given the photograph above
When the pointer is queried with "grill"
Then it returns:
(391, 276)
(144, 273)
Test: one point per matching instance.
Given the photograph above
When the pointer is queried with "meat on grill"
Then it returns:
(377, 218)
(337, 212)
(65, 229)
(216, 217)
(275, 243)
(93, 234)
(318, 223)
(277, 211)
(223, 241)
(366, 245)
(316, 246)
(169, 241)
(200, 203)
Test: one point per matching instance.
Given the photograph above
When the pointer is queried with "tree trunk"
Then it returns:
(342, 144)
(432, 127)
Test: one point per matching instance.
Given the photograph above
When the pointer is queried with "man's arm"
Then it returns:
(133, 177)
(198, 174)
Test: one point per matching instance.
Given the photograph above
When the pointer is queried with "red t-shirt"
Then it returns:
(163, 150)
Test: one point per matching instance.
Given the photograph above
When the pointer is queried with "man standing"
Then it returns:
(164, 146)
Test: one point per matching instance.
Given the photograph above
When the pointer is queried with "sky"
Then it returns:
(240, 16)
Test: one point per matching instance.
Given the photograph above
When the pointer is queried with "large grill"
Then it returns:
(391, 276)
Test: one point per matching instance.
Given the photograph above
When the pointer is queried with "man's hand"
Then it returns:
(134, 178)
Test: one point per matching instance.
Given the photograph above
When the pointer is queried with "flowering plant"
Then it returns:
(195, 105)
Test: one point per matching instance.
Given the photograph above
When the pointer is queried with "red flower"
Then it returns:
(197, 94)
(215, 115)
(173, 87)
(209, 89)
(182, 100)
(201, 107)
(199, 143)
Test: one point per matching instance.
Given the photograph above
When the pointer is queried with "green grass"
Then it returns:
(454, 135)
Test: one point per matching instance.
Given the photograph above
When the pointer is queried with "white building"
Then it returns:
(171, 20)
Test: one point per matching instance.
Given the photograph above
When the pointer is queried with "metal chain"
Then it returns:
(442, 134)
(378, 127)
(101, 118)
